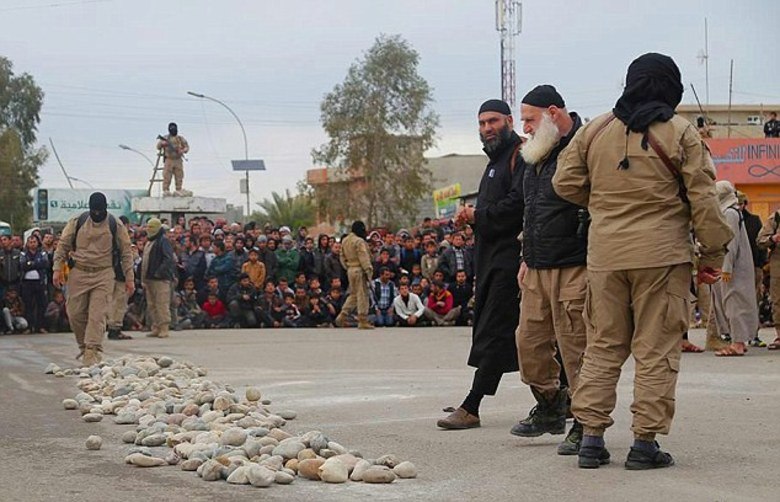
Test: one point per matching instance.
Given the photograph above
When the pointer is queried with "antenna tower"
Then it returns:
(509, 20)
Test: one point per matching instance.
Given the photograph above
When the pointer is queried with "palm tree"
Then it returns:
(287, 210)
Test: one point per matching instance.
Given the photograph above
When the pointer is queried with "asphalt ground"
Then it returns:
(381, 392)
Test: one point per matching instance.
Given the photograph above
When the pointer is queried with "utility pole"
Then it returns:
(731, 83)
(509, 20)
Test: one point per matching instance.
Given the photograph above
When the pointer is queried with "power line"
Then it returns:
(52, 5)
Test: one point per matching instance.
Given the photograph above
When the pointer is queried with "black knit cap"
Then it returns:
(544, 96)
(495, 105)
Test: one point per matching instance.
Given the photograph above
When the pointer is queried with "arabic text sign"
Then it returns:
(446, 200)
(66, 203)
(746, 160)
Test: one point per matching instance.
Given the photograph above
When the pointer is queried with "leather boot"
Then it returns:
(548, 416)
(459, 419)
(91, 356)
(363, 322)
(164, 332)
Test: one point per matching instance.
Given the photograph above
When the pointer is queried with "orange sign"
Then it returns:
(746, 160)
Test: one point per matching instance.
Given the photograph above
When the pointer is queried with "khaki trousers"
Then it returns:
(89, 294)
(643, 313)
(551, 311)
(116, 312)
(158, 299)
(358, 287)
(173, 167)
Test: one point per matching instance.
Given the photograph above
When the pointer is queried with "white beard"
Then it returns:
(542, 142)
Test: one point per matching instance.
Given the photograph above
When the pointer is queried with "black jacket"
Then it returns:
(161, 266)
(753, 228)
(550, 237)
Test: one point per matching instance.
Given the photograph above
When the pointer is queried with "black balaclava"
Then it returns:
(359, 229)
(98, 207)
(653, 90)
(173, 129)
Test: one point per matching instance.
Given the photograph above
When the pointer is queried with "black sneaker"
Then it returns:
(571, 445)
(640, 460)
(538, 422)
(592, 457)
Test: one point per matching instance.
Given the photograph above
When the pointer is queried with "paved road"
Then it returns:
(381, 392)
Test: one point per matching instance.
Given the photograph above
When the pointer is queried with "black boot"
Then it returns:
(640, 460)
(548, 416)
(113, 334)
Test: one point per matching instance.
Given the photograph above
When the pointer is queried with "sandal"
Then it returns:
(729, 351)
(774, 345)
(691, 348)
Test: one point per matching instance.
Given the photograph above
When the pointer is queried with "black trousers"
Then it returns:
(34, 298)
(486, 382)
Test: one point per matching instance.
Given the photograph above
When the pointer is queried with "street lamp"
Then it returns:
(125, 147)
(243, 131)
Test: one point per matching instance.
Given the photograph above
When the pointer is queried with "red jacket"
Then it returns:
(446, 297)
(216, 310)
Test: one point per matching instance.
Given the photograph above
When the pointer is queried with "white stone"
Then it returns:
(94, 442)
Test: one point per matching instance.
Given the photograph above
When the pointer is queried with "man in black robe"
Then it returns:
(497, 220)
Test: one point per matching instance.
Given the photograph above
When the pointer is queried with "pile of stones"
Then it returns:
(179, 417)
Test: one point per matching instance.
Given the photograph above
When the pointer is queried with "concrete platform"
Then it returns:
(187, 205)
(382, 391)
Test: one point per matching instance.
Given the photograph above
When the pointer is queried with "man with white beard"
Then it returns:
(552, 273)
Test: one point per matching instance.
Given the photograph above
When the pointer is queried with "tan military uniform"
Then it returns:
(356, 259)
(551, 311)
(116, 312)
(771, 228)
(639, 262)
(91, 281)
(158, 296)
(174, 166)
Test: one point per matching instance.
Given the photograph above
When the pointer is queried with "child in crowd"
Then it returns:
(216, 312)
(291, 313)
(56, 315)
(12, 309)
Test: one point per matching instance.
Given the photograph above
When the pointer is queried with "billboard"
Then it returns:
(446, 200)
(746, 161)
(62, 204)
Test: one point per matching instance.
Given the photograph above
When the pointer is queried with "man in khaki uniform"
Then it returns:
(175, 147)
(768, 239)
(356, 259)
(91, 280)
(646, 177)
(157, 272)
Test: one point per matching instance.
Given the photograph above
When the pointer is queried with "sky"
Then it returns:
(117, 71)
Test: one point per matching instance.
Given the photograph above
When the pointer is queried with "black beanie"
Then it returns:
(359, 229)
(97, 202)
(544, 96)
(495, 105)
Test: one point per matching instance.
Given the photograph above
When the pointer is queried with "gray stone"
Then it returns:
(51, 369)
(211, 470)
(405, 470)
(334, 471)
(360, 468)
(154, 440)
(287, 414)
(283, 478)
(70, 404)
(378, 474)
(142, 460)
(289, 450)
(253, 394)
(129, 437)
(94, 442)
(239, 476)
(260, 476)
(233, 437)
(93, 417)
(191, 464)
(164, 361)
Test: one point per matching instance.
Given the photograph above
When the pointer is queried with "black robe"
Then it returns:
(498, 221)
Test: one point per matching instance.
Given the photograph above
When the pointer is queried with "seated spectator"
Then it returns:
(255, 269)
(241, 300)
(223, 267)
(301, 297)
(270, 308)
(282, 289)
(56, 314)
(462, 292)
(300, 281)
(440, 309)
(410, 255)
(416, 273)
(314, 287)
(189, 313)
(334, 302)
(429, 263)
(384, 294)
(417, 289)
(456, 257)
(439, 275)
(216, 313)
(13, 312)
(315, 315)
(212, 286)
(291, 313)
(384, 261)
(408, 307)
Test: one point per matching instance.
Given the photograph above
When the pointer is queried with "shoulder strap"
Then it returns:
(79, 223)
(683, 192)
(601, 127)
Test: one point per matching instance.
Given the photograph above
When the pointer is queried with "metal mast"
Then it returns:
(509, 19)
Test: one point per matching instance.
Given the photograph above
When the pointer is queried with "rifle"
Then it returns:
(168, 147)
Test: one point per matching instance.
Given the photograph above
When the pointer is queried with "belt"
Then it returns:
(85, 268)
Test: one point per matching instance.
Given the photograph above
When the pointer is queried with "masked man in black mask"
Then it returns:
(94, 243)
(497, 221)
(174, 146)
